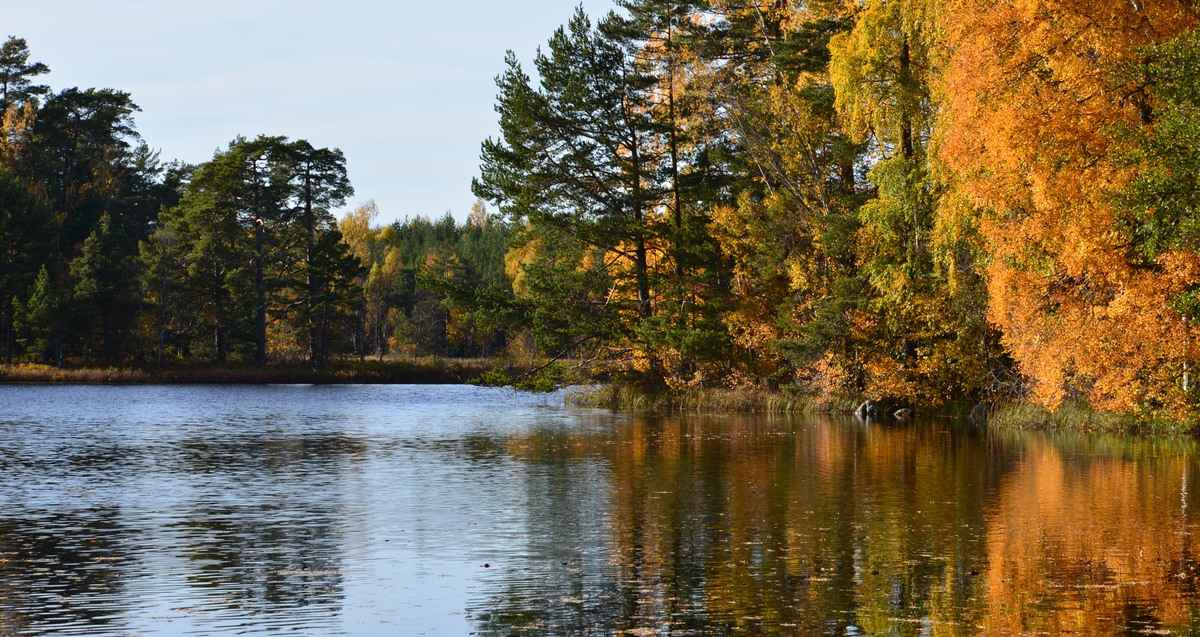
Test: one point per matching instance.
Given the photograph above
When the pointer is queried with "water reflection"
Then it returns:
(815, 527)
(1098, 530)
(391, 510)
(76, 558)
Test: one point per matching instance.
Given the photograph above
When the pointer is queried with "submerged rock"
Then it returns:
(980, 414)
(903, 414)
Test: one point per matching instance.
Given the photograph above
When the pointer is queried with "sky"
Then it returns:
(405, 89)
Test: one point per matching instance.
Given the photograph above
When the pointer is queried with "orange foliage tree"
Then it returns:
(1031, 94)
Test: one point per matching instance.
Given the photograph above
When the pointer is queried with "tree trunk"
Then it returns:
(316, 339)
(219, 333)
(162, 320)
(641, 264)
(907, 148)
(848, 178)
(260, 293)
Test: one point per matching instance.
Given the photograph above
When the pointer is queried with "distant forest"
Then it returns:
(920, 200)
(112, 256)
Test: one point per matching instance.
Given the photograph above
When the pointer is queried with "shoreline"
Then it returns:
(1072, 417)
(613, 396)
(437, 372)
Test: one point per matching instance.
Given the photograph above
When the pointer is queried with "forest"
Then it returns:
(923, 201)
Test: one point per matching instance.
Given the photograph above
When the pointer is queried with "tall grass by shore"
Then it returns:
(620, 397)
(1071, 416)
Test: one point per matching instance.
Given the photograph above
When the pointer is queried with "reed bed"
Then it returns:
(620, 397)
(31, 373)
(1010, 415)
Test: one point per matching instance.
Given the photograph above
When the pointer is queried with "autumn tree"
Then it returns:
(360, 234)
(789, 231)
(1155, 212)
(1031, 96)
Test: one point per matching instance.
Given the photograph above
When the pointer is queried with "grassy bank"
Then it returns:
(424, 371)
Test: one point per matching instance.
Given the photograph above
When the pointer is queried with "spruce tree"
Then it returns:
(40, 321)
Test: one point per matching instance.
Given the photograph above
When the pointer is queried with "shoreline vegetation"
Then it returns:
(615, 396)
(1010, 414)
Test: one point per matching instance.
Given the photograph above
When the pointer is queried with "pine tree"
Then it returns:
(25, 244)
(17, 73)
(83, 143)
(580, 156)
(319, 183)
(206, 230)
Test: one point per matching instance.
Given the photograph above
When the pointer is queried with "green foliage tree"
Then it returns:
(40, 321)
(204, 232)
(83, 142)
(330, 274)
(319, 182)
(163, 269)
(25, 244)
(256, 219)
(1159, 206)
(105, 299)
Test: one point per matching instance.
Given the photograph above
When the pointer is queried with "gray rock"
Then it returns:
(869, 410)
(903, 414)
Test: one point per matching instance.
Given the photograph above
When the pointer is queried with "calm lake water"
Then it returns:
(397, 510)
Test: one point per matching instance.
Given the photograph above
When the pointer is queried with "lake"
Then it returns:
(445, 510)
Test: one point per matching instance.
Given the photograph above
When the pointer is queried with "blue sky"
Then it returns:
(405, 89)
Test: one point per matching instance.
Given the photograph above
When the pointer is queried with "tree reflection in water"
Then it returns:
(735, 525)
(257, 538)
(62, 568)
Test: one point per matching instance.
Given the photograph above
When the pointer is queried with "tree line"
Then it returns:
(907, 199)
(112, 256)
